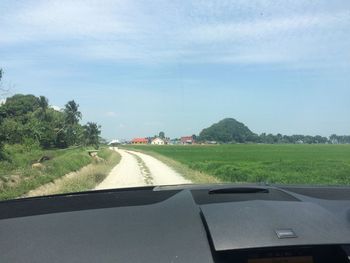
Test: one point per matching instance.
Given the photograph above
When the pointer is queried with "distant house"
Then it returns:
(174, 141)
(114, 143)
(187, 140)
(158, 141)
(139, 141)
(166, 140)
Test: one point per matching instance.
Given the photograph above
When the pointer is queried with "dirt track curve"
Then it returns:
(139, 169)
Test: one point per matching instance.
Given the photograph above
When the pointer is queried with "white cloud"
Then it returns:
(264, 28)
(57, 20)
(168, 32)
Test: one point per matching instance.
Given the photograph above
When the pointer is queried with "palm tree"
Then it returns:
(91, 134)
(73, 115)
(43, 105)
(3, 91)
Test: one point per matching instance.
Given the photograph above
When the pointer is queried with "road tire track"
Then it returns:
(146, 173)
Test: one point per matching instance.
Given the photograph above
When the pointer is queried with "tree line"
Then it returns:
(27, 119)
(294, 139)
(231, 131)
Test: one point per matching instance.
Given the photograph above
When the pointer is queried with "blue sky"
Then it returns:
(140, 67)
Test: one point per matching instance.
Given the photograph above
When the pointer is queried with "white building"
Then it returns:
(158, 141)
(114, 142)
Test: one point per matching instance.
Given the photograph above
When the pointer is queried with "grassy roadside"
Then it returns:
(190, 174)
(17, 177)
(84, 179)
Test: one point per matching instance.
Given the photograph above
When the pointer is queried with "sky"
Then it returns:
(141, 67)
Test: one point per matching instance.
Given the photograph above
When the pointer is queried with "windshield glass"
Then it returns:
(113, 94)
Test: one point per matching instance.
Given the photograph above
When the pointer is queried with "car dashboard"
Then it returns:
(186, 223)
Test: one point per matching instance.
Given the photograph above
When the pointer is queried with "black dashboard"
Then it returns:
(303, 254)
(191, 223)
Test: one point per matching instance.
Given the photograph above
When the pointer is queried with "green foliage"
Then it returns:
(336, 139)
(72, 114)
(299, 139)
(162, 135)
(21, 118)
(26, 117)
(227, 130)
(43, 106)
(91, 134)
(2, 135)
(281, 163)
(28, 126)
(2, 153)
(19, 106)
(11, 130)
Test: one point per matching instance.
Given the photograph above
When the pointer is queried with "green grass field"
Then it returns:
(284, 164)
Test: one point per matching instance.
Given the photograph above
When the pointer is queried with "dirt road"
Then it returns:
(138, 169)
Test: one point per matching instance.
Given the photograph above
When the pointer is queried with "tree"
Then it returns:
(12, 131)
(194, 137)
(3, 91)
(270, 138)
(1, 73)
(27, 119)
(19, 105)
(2, 135)
(73, 115)
(43, 105)
(91, 134)
(279, 138)
(162, 135)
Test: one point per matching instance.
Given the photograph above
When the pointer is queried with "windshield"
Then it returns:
(114, 94)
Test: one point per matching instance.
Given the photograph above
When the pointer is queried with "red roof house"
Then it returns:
(139, 141)
(187, 140)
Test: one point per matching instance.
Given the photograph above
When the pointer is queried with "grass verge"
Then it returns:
(17, 177)
(84, 179)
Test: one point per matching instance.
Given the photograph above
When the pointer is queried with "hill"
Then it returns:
(227, 130)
